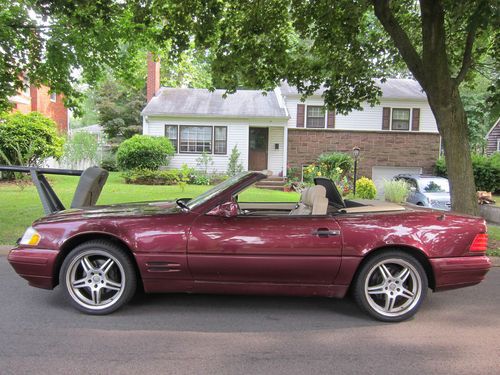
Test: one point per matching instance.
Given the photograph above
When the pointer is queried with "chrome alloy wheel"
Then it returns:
(393, 287)
(95, 279)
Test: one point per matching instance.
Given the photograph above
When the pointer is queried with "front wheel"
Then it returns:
(98, 277)
(391, 286)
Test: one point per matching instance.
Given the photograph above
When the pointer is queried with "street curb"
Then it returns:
(4, 250)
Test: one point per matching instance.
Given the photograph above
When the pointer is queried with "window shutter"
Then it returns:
(415, 119)
(301, 109)
(386, 118)
(330, 122)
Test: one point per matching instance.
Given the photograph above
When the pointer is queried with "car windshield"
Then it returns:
(210, 193)
(433, 185)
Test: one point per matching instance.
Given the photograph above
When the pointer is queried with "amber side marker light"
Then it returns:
(480, 242)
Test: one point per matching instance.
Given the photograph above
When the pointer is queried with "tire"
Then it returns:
(391, 286)
(98, 277)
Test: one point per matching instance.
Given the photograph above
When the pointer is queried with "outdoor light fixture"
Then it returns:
(355, 153)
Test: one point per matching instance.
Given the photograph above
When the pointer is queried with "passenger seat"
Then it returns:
(313, 201)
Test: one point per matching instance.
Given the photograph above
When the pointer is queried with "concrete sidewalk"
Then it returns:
(4, 250)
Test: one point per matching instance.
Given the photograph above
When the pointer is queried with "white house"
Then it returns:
(275, 130)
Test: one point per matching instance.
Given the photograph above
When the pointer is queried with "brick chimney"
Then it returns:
(153, 82)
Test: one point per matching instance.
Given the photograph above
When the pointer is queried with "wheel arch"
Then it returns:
(418, 254)
(73, 242)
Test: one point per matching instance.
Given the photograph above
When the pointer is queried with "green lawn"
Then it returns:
(19, 208)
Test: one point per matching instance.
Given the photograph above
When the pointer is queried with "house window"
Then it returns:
(220, 140)
(53, 97)
(498, 144)
(400, 119)
(315, 117)
(195, 139)
(171, 132)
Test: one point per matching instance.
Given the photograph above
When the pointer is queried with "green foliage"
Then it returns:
(234, 166)
(81, 147)
(29, 138)
(108, 162)
(396, 191)
(329, 162)
(204, 161)
(144, 152)
(486, 171)
(119, 107)
(365, 188)
(152, 177)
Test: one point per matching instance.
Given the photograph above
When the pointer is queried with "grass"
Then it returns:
(493, 240)
(496, 198)
(19, 208)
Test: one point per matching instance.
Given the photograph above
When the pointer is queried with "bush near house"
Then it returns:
(150, 177)
(329, 162)
(365, 188)
(144, 152)
(486, 171)
(396, 191)
(28, 138)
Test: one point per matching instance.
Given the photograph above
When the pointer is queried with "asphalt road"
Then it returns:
(456, 332)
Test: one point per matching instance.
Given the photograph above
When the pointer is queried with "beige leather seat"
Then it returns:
(313, 201)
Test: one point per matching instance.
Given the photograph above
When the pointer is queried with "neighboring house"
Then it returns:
(39, 99)
(277, 130)
(493, 139)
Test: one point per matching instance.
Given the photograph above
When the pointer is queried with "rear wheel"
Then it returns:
(98, 277)
(391, 286)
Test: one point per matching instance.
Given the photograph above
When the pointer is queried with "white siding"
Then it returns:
(370, 119)
(275, 157)
(237, 135)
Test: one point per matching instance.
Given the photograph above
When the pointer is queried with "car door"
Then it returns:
(271, 249)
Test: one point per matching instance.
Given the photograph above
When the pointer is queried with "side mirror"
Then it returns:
(413, 189)
(229, 209)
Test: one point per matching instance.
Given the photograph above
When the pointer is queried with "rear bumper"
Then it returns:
(35, 265)
(452, 273)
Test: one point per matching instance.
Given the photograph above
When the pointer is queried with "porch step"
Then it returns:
(272, 183)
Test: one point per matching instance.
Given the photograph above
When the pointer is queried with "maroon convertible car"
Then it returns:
(385, 254)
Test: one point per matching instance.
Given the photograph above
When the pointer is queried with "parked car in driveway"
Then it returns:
(428, 191)
(388, 255)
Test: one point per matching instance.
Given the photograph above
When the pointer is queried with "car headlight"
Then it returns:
(31, 237)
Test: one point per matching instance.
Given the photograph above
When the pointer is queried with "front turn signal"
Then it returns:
(31, 237)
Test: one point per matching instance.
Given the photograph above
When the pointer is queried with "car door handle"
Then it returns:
(325, 232)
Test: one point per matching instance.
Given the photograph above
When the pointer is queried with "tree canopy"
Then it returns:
(338, 45)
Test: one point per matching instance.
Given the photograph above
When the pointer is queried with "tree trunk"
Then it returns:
(450, 116)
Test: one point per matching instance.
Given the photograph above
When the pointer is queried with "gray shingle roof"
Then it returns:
(202, 102)
(392, 88)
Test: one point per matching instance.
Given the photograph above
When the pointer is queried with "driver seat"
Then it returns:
(313, 201)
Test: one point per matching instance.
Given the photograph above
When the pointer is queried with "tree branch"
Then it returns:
(401, 40)
(469, 44)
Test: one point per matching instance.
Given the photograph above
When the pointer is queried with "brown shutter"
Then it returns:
(301, 109)
(386, 118)
(330, 122)
(415, 119)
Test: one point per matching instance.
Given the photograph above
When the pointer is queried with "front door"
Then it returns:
(269, 249)
(257, 153)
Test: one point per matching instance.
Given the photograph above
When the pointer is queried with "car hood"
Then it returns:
(116, 210)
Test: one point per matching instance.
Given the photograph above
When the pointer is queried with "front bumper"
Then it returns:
(452, 273)
(35, 265)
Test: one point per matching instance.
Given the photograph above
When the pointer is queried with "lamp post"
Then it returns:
(355, 153)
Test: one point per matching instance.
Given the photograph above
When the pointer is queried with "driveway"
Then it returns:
(456, 332)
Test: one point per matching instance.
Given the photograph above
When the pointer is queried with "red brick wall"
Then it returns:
(394, 149)
(40, 101)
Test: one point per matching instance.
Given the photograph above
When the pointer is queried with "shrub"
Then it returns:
(234, 166)
(204, 161)
(144, 152)
(28, 138)
(365, 188)
(108, 162)
(396, 191)
(329, 162)
(152, 177)
(486, 171)
(81, 147)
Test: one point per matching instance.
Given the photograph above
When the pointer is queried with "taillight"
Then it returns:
(480, 242)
